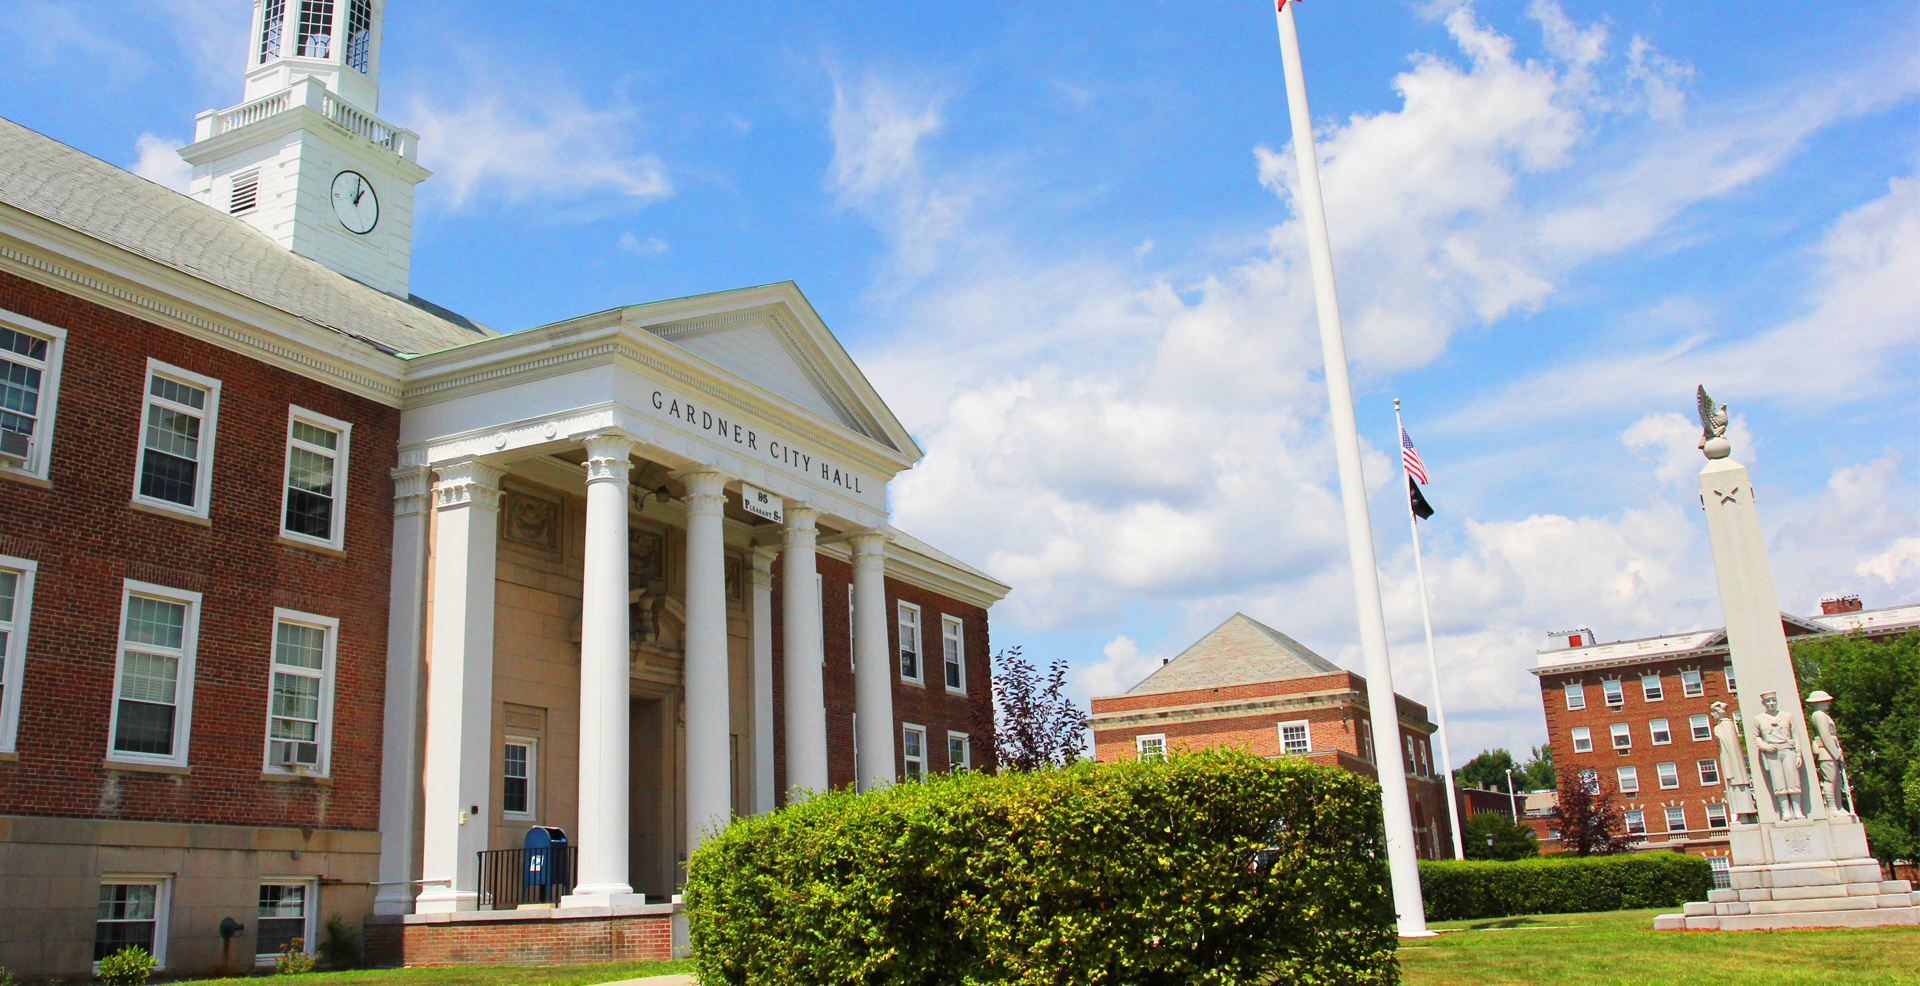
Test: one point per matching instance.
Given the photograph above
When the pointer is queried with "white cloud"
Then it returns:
(1121, 667)
(1896, 564)
(651, 246)
(1675, 439)
(160, 162)
(878, 124)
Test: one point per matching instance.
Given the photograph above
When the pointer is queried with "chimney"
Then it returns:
(1840, 604)
(1565, 639)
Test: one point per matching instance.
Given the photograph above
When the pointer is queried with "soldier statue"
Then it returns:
(1779, 758)
(1733, 765)
(1827, 755)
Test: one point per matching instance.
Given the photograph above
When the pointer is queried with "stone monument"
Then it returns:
(1797, 862)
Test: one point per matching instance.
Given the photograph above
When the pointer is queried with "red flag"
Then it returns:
(1281, 5)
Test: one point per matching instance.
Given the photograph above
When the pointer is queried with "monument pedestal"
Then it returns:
(1813, 873)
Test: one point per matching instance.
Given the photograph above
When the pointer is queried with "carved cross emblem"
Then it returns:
(1729, 496)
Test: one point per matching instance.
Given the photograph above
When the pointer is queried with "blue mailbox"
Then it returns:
(546, 852)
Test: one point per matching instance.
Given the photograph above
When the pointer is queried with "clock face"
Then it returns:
(354, 202)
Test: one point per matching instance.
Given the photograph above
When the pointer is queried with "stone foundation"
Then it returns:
(1838, 894)
(543, 936)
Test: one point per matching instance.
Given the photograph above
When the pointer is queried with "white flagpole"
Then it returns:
(1433, 662)
(1403, 862)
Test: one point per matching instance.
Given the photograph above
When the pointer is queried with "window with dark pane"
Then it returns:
(311, 458)
(282, 918)
(126, 917)
(273, 21)
(151, 649)
(294, 716)
(516, 794)
(316, 28)
(359, 34)
(23, 359)
(170, 459)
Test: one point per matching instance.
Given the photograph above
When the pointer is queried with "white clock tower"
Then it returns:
(305, 157)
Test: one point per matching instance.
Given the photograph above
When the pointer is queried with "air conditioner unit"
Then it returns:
(14, 446)
(294, 755)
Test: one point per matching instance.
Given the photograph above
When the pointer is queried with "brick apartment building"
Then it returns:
(1632, 717)
(1246, 684)
(311, 591)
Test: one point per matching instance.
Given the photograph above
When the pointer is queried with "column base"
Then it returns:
(446, 902)
(602, 900)
(393, 903)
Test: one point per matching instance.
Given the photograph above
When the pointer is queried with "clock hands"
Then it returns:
(359, 189)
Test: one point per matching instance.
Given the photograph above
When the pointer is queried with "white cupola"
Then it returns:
(305, 156)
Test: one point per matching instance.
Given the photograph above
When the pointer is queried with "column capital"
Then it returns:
(706, 490)
(803, 523)
(869, 548)
(760, 566)
(607, 458)
(467, 482)
(412, 489)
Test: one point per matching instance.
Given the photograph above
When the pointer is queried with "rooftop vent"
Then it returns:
(1564, 639)
(1839, 604)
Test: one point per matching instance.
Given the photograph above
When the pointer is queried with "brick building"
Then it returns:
(1632, 717)
(312, 590)
(1246, 684)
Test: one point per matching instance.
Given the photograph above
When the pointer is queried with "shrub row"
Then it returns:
(1213, 867)
(1456, 890)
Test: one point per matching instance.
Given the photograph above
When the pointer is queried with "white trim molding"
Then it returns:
(208, 416)
(40, 450)
(15, 623)
(182, 655)
(329, 628)
(342, 433)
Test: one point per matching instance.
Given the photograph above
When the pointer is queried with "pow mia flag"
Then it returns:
(1421, 508)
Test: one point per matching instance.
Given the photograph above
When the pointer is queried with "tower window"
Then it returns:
(246, 192)
(359, 34)
(272, 23)
(316, 28)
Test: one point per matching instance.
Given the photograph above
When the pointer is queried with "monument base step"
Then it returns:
(1876, 917)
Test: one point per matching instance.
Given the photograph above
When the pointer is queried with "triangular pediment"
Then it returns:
(771, 337)
(1241, 651)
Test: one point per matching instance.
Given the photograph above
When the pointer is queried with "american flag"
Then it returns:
(1411, 458)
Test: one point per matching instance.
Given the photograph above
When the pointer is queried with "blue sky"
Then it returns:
(1060, 238)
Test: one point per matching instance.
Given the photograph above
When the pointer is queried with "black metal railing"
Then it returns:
(509, 878)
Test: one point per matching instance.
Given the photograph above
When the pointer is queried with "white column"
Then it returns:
(800, 647)
(399, 760)
(459, 685)
(604, 694)
(760, 573)
(709, 717)
(872, 663)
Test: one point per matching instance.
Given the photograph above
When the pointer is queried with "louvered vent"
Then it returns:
(246, 192)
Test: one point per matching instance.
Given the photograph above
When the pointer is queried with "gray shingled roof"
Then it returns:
(1240, 651)
(44, 177)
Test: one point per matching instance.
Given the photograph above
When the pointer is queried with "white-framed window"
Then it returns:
(1576, 695)
(953, 653)
(1701, 728)
(1677, 819)
(300, 695)
(1628, 779)
(959, 751)
(1709, 768)
(1731, 688)
(16, 613)
(1721, 865)
(1582, 739)
(31, 353)
(909, 618)
(153, 677)
(1622, 736)
(1295, 737)
(1426, 757)
(1669, 774)
(1615, 692)
(1152, 746)
(1650, 688)
(1413, 759)
(519, 772)
(1692, 685)
(1716, 815)
(913, 750)
(175, 468)
(1590, 780)
(1660, 731)
(1636, 821)
(287, 911)
(132, 911)
(314, 498)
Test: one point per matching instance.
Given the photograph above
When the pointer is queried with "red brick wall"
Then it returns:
(931, 705)
(519, 941)
(1637, 713)
(87, 540)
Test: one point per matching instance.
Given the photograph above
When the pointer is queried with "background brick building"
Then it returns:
(1246, 684)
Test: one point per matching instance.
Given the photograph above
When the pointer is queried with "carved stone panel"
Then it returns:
(531, 520)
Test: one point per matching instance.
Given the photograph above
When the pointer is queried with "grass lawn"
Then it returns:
(1619, 948)
(505, 975)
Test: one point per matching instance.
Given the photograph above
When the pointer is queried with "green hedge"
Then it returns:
(1214, 867)
(1457, 890)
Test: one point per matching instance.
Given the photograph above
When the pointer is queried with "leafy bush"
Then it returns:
(1212, 867)
(341, 948)
(1510, 839)
(130, 966)
(1456, 890)
(293, 959)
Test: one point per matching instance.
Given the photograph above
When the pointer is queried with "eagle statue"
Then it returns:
(1713, 421)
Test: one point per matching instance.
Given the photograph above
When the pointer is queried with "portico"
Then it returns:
(587, 586)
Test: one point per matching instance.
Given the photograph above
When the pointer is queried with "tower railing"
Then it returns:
(309, 92)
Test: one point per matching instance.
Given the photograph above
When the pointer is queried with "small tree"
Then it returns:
(1539, 770)
(1488, 771)
(1511, 839)
(130, 966)
(1033, 724)
(1589, 823)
